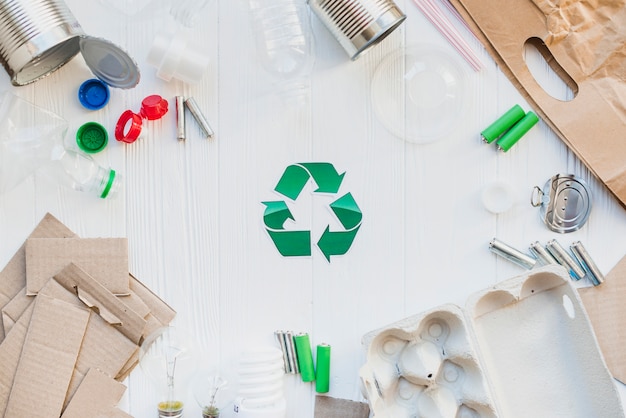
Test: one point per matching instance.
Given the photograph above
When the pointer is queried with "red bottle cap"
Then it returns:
(134, 123)
(153, 107)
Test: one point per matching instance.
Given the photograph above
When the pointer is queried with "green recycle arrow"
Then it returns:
(298, 243)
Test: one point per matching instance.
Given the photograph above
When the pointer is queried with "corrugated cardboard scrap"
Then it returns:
(65, 349)
(606, 309)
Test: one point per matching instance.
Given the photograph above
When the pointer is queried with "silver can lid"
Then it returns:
(109, 62)
(565, 202)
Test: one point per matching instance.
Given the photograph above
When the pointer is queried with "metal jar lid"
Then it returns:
(564, 202)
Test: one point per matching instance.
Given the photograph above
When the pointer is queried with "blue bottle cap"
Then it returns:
(93, 94)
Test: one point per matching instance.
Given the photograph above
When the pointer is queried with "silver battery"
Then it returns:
(199, 117)
(541, 254)
(280, 337)
(291, 349)
(511, 254)
(561, 255)
(180, 118)
(585, 260)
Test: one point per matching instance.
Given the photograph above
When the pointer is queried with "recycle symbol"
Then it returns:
(298, 243)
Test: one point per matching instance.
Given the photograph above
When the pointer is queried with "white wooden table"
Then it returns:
(193, 215)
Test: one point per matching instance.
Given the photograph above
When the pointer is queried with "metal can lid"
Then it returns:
(568, 205)
(93, 94)
(109, 62)
(92, 137)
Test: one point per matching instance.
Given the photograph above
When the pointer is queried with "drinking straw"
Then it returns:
(431, 10)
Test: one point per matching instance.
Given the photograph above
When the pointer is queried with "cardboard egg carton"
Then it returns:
(523, 348)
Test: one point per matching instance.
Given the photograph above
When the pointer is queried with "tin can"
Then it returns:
(37, 37)
(358, 24)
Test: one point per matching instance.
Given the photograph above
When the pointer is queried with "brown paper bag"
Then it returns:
(584, 43)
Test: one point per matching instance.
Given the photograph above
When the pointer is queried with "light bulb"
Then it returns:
(168, 357)
(209, 391)
(261, 376)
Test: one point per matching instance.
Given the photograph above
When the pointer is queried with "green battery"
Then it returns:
(305, 357)
(503, 124)
(322, 370)
(517, 131)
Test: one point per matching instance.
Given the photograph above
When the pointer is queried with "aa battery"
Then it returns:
(541, 254)
(291, 349)
(511, 254)
(510, 137)
(560, 254)
(290, 360)
(305, 357)
(322, 371)
(180, 118)
(583, 257)
(199, 117)
(502, 124)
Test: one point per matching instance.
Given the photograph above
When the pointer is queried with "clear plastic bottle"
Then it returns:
(32, 139)
(78, 171)
(284, 43)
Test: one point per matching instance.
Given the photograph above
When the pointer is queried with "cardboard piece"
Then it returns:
(327, 407)
(54, 338)
(14, 309)
(522, 348)
(85, 405)
(607, 312)
(108, 343)
(13, 275)
(106, 259)
(10, 351)
(583, 43)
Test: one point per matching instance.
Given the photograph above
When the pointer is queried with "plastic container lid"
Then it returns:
(419, 94)
(154, 107)
(91, 137)
(134, 123)
(93, 94)
(109, 62)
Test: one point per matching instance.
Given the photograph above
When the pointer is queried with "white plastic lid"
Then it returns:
(109, 62)
(419, 93)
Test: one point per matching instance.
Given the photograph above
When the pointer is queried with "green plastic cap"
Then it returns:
(92, 137)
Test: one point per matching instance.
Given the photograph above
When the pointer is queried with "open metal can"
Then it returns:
(358, 24)
(38, 37)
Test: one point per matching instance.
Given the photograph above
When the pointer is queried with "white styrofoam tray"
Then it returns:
(523, 348)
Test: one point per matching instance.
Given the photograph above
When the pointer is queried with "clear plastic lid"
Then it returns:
(419, 93)
(109, 62)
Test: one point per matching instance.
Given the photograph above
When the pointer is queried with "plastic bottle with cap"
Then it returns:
(284, 43)
(79, 171)
(26, 148)
(130, 125)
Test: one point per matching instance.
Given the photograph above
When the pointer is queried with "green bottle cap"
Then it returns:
(503, 124)
(518, 130)
(92, 137)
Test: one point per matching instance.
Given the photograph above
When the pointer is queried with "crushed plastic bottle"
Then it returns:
(32, 139)
(284, 44)
(80, 172)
